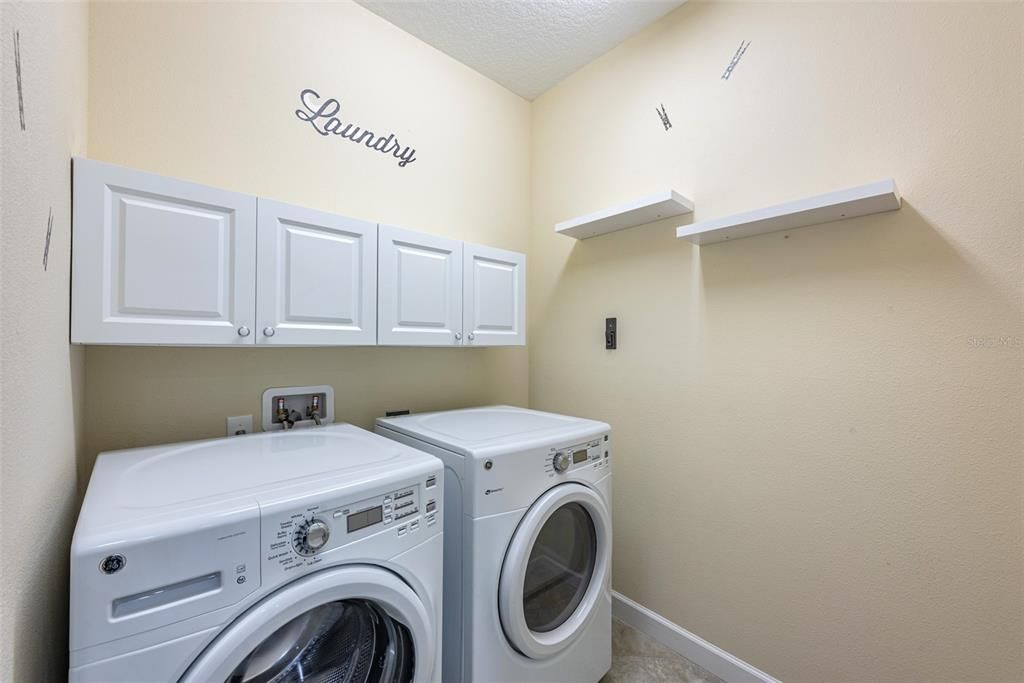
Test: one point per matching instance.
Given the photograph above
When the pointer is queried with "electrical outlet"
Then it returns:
(238, 425)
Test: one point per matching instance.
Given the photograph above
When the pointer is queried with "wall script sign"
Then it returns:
(322, 115)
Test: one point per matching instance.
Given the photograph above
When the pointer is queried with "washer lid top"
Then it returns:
(203, 469)
(493, 430)
(258, 467)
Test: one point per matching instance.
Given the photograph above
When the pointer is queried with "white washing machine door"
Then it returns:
(555, 570)
(358, 624)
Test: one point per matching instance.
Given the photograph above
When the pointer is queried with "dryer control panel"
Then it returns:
(562, 459)
(513, 479)
(302, 537)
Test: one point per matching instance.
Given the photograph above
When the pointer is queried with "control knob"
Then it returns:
(311, 536)
(561, 462)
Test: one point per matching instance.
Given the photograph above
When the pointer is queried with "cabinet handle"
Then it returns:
(268, 331)
(458, 336)
(243, 331)
(471, 337)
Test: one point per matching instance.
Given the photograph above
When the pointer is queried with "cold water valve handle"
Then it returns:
(314, 411)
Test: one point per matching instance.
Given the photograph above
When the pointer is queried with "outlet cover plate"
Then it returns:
(238, 423)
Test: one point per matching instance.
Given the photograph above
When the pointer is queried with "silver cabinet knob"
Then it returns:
(458, 336)
(268, 331)
(560, 462)
(243, 331)
(471, 337)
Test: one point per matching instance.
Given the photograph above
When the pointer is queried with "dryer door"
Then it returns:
(555, 571)
(358, 623)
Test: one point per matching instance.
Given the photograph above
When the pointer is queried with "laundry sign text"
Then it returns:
(322, 115)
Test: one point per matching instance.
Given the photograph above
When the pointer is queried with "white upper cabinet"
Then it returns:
(317, 278)
(419, 289)
(160, 261)
(494, 300)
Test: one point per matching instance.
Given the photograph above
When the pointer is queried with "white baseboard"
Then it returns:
(689, 645)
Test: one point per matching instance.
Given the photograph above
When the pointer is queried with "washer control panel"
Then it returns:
(593, 453)
(300, 537)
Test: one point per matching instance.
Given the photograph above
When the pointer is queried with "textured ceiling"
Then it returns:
(525, 45)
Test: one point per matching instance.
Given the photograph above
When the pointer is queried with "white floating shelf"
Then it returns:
(824, 208)
(647, 210)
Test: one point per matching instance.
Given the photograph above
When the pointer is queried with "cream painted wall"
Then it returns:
(818, 434)
(208, 92)
(818, 447)
(40, 373)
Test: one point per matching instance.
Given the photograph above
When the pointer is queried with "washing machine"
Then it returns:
(281, 556)
(528, 539)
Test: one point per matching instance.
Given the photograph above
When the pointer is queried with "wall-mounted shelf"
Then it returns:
(647, 210)
(825, 208)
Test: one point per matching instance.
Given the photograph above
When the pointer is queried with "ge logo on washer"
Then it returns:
(112, 564)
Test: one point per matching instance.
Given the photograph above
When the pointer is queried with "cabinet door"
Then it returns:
(160, 261)
(494, 303)
(420, 289)
(317, 281)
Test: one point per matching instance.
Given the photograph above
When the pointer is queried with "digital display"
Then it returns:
(579, 456)
(361, 520)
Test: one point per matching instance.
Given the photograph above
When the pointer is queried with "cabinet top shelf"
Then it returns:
(852, 202)
(655, 207)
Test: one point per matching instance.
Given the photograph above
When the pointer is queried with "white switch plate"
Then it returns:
(238, 423)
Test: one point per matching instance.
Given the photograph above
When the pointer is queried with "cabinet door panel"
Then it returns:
(494, 303)
(317, 277)
(420, 293)
(157, 260)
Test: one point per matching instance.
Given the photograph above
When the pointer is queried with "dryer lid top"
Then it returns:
(491, 430)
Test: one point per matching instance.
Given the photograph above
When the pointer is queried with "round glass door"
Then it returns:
(560, 567)
(351, 641)
(555, 570)
(347, 624)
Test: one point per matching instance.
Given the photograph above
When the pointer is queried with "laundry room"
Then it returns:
(326, 328)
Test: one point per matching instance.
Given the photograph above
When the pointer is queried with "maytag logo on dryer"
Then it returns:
(490, 491)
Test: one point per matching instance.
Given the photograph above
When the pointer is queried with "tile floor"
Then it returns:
(638, 658)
